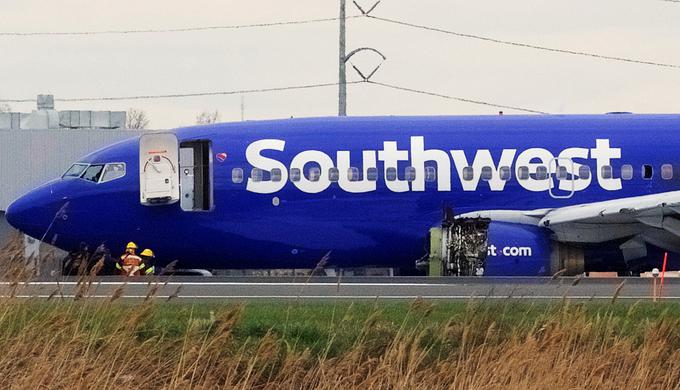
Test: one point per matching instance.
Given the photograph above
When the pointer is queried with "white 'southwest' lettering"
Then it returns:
(391, 155)
(603, 154)
(255, 158)
(313, 158)
(482, 159)
(418, 158)
(394, 160)
(357, 186)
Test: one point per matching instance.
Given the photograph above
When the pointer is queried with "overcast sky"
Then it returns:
(141, 64)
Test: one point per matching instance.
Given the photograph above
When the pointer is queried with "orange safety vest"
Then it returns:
(130, 259)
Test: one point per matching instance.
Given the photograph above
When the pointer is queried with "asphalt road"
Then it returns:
(246, 288)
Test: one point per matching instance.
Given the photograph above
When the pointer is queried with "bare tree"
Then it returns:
(137, 119)
(206, 118)
(4, 107)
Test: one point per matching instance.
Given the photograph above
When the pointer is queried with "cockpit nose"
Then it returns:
(33, 212)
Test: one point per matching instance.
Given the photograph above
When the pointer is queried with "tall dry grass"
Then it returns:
(106, 345)
(109, 344)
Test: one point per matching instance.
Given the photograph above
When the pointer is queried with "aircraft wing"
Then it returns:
(653, 219)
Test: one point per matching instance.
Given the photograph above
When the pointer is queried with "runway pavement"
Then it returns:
(355, 288)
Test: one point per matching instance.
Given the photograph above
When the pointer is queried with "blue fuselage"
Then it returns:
(385, 222)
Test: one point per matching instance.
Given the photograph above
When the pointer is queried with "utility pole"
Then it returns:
(342, 79)
(343, 57)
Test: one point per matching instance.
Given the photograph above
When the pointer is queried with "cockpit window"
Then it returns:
(76, 170)
(113, 171)
(93, 173)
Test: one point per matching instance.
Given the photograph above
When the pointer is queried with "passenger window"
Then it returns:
(626, 172)
(410, 174)
(314, 174)
(276, 174)
(647, 172)
(487, 173)
(76, 170)
(333, 174)
(430, 174)
(504, 173)
(295, 174)
(113, 171)
(562, 173)
(523, 173)
(584, 172)
(353, 174)
(237, 175)
(93, 173)
(667, 171)
(372, 174)
(468, 173)
(541, 172)
(606, 172)
(257, 175)
(391, 174)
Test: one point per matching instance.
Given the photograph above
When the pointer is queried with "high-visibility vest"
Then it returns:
(129, 259)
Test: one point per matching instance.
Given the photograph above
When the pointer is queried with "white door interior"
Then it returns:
(158, 169)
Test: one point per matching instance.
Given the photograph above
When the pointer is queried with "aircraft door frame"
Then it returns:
(555, 175)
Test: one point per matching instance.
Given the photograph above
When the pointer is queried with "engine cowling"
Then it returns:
(517, 250)
(481, 247)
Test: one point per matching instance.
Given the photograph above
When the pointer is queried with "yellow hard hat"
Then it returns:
(131, 245)
(147, 252)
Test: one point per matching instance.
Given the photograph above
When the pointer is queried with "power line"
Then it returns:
(276, 89)
(460, 99)
(171, 30)
(525, 45)
(183, 95)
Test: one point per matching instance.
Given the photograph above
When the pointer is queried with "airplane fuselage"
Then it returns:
(367, 190)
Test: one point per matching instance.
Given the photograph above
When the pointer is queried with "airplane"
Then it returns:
(472, 195)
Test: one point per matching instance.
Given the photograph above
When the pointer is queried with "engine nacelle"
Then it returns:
(517, 250)
(481, 247)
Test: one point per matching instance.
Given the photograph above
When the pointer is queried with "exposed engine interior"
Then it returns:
(465, 246)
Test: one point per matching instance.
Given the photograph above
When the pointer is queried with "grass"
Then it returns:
(476, 344)
(480, 344)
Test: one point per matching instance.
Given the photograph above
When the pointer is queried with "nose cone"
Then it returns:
(32, 213)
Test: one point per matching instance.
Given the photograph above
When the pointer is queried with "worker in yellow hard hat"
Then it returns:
(130, 263)
(148, 262)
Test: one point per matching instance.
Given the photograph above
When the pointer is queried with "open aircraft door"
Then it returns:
(158, 169)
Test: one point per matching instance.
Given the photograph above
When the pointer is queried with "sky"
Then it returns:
(227, 60)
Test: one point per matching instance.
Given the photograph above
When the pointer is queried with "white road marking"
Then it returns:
(268, 284)
(58, 296)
